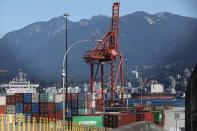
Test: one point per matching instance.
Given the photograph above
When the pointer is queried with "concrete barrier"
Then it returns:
(140, 126)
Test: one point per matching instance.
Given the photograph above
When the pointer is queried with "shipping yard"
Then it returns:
(92, 106)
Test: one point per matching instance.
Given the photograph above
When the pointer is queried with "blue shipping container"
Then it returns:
(19, 108)
(35, 107)
(58, 107)
(27, 97)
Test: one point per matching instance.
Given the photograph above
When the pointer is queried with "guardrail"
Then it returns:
(27, 123)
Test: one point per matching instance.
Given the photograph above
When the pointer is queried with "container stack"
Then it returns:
(2, 104)
(43, 105)
(27, 105)
(51, 105)
(35, 105)
(83, 103)
(10, 104)
(72, 104)
(58, 106)
(18, 104)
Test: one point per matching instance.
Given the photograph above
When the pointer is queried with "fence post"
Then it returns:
(47, 124)
(13, 123)
(2, 122)
(33, 123)
(24, 122)
(7, 123)
(40, 126)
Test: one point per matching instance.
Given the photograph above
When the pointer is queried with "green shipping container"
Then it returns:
(87, 120)
(158, 116)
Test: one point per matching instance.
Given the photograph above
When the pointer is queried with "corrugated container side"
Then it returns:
(2, 100)
(27, 107)
(51, 97)
(10, 109)
(58, 98)
(35, 97)
(10, 100)
(51, 107)
(35, 107)
(58, 107)
(145, 117)
(88, 120)
(51, 116)
(27, 97)
(2, 109)
(59, 115)
(19, 108)
(43, 97)
(18, 98)
(43, 107)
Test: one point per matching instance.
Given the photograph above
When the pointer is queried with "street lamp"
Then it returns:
(66, 15)
(63, 70)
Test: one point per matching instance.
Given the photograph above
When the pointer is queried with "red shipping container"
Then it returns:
(148, 116)
(2, 109)
(43, 107)
(10, 100)
(59, 115)
(119, 119)
(27, 107)
(99, 104)
(71, 97)
(124, 119)
(51, 116)
(18, 98)
(51, 107)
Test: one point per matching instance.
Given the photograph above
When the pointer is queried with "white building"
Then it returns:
(156, 88)
(20, 85)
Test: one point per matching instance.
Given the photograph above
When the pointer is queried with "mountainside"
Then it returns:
(158, 40)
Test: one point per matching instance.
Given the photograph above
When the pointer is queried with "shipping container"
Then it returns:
(87, 120)
(27, 97)
(51, 107)
(59, 115)
(83, 111)
(19, 108)
(99, 104)
(72, 97)
(157, 116)
(43, 97)
(51, 116)
(81, 97)
(58, 98)
(27, 108)
(35, 97)
(35, 107)
(58, 107)
(10, 109)
(118, 119)
(43, 107)
(10, 100)
(2, 100)
(51, 97)
(2, 109)
(146, 116)
(18, 98)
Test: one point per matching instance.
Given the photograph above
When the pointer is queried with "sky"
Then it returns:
(15, 14)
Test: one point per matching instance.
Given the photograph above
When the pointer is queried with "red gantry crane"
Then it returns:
(108, 52)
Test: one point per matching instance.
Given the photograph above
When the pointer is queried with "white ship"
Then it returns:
(19, 85)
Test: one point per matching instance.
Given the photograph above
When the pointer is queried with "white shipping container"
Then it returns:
(35, 97)
(93, 104)
(2, 100)
(58, 98)
(10, 109)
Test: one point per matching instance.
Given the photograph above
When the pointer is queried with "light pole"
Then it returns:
(63, 70)
(126, 61)
(66, 75)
